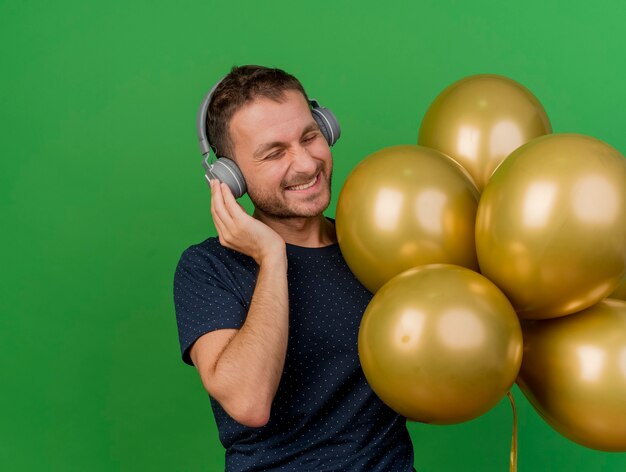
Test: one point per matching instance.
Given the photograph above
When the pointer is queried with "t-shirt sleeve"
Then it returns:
(203, 299)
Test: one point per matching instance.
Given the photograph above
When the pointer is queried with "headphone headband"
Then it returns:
(205, 145)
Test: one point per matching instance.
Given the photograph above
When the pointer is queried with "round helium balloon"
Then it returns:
(574, 373)
(551, 225)
(440, 344)
(405, 206)
(480, 120)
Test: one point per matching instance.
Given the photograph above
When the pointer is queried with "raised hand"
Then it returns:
(239, 231)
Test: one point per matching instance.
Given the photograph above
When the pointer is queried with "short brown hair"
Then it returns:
(242, 85)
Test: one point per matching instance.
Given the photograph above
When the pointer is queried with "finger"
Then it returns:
(216, 218)
(217, 204)
(223, 233)
(215, 197)
(231, 205)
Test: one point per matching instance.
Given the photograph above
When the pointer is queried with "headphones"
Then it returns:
(225, 170)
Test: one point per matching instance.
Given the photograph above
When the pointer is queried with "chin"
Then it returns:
(314, 208)
(283, 210)
(283, 207)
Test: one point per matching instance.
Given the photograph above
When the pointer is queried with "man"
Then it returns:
(269, 313)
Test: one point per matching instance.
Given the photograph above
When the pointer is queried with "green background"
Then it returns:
(101, 189)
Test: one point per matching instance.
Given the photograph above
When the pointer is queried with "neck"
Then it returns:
(315, 231)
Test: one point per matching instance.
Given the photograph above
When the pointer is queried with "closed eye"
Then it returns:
(310, 137)
(274, 155)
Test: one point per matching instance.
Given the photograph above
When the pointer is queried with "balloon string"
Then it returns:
(513, 461)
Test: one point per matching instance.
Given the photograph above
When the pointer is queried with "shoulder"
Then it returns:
(210, 253)
(210, 261)
(198, 254)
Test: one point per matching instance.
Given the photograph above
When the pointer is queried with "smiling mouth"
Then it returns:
(305, 185)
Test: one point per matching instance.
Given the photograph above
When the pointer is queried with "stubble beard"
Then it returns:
(272, 206)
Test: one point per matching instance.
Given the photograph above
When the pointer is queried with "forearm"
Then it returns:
(248, 371)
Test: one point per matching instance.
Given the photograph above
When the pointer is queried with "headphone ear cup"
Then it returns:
(329, 126)
(225, 170)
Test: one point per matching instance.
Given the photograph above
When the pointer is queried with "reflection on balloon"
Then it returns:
(574, 373)
(620, 291)
(551, 225)
(440, 344)
(480, 120)
(405, 206)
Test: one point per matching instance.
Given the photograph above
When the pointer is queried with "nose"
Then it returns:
(303, 162)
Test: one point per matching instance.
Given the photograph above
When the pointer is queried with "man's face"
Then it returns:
(283, 156)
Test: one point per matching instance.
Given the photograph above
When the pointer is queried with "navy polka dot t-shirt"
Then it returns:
(324, 416)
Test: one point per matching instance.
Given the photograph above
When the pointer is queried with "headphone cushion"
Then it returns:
(226, 171)
(329, 126)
